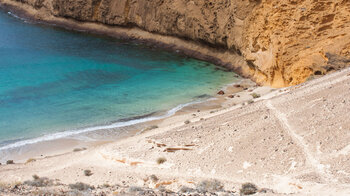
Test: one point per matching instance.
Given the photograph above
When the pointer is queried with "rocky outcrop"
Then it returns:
(282, 42)
(289, 40)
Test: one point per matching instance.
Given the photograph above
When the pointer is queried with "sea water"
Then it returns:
(55, 83)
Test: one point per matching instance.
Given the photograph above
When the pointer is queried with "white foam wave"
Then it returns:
(14, 15)
(68, 133)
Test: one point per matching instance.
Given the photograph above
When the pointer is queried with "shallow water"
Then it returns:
(53, 80)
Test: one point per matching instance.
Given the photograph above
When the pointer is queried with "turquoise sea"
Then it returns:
(55, 83)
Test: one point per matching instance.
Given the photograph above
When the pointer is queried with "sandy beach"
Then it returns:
(293, 140)
(248, 139)
(57, 143)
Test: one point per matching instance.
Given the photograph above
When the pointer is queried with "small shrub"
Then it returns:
(187, 122)
(255, 95)
(311, 77)
(210, 186)
(3, 186)
(151, 128)
(248, 189)
(135, 189)
(106, 185)
(30, 160)
(250, 101)
(185, 189)
(39, 182)
(87, 172)
(9, 162)
(161, 160)
(81, 186)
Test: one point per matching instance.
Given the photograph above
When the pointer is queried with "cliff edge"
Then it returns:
(276, 43)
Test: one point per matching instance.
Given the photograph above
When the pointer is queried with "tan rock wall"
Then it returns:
(290, 39)
(284, 41)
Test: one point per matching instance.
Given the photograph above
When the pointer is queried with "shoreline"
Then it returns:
(65, 142)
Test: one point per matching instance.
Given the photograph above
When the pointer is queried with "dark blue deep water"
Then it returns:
(54, 81)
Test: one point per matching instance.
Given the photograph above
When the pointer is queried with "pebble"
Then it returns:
(221, 92)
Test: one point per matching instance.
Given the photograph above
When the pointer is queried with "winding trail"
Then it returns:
(312, 160)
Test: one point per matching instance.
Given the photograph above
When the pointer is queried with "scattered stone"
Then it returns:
(187, 122)
(9, 162)
(248, 189)
(87, 172)
(198, 111)
(161, 160)
(265, 190)
(154, 178)
(237, 86)
(231, 96)
(159, 145)
(245, 88)
(77, 149)
(221, 92)
(255, 95)
(135, 163)
(250, 102)
(176, 149)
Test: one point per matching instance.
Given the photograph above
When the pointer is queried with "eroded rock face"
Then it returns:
(284, 42)
(210, 22)
(289, 40)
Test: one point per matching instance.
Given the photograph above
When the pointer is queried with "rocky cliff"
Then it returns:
(277, 43)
